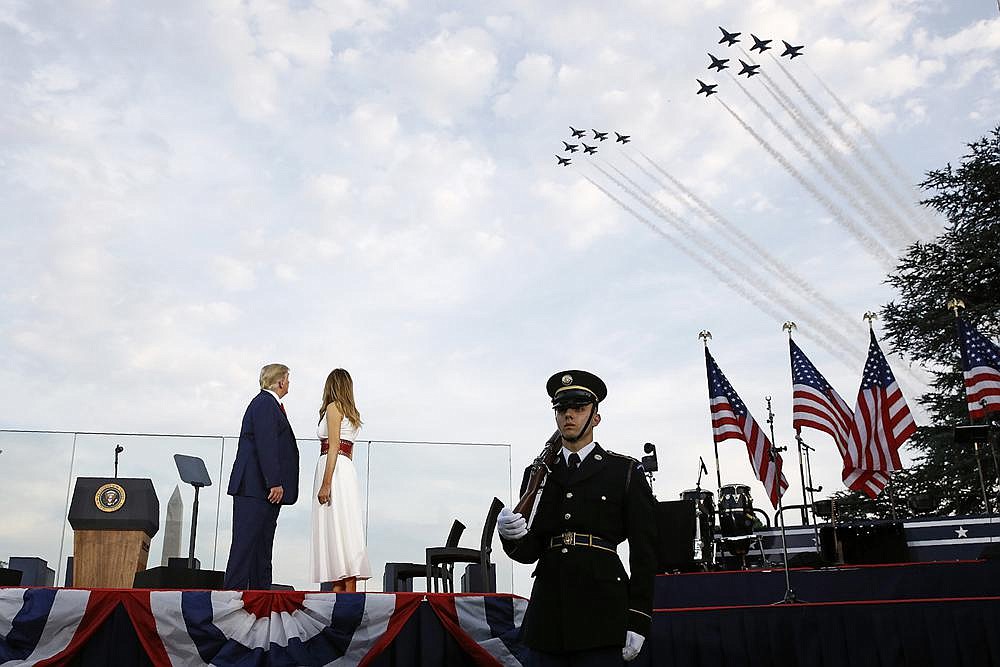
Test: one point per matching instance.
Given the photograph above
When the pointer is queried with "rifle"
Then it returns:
(540, 468)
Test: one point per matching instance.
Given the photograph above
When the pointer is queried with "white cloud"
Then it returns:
(233, 274)
(533, 76)
(451, 73)
(981, 36)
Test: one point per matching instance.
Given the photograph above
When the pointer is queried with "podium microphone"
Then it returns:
(118, 450)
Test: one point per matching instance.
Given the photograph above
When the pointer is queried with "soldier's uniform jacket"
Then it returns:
(581, 597)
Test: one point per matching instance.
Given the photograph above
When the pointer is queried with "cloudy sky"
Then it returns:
(189, 190)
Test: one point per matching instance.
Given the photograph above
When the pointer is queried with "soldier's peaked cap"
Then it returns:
(574, 388)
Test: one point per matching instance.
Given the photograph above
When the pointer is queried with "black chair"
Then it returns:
(398, 577)
(444, 558)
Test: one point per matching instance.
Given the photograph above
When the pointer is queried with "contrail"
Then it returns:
(839, 167)
(763, 305)
(901, 222)
(734, 264)
(930, 224)
(868, 243)
(769, 261)
(835, 182)
(889, 223)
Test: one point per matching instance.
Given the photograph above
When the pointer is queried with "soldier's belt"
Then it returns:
(571, 539)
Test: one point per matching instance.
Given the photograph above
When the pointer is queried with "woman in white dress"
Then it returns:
(339, 554)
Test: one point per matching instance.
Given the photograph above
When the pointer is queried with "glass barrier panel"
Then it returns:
(152, 457)
(34, 477)
(418, 489)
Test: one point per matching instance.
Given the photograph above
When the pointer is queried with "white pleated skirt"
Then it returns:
(338, 536)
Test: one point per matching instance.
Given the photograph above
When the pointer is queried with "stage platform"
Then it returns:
(942, 614)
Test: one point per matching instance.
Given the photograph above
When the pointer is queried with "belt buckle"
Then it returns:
(568, 538)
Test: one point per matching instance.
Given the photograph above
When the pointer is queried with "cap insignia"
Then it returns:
(567, 379)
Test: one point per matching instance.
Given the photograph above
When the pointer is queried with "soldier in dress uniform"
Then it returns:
(584, 609)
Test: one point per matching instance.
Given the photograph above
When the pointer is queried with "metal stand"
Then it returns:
(649, 464)
(802, 477)
(976, 434)
(118, 450)
(805, 448)
(773, 453)
(699, 512)
(193, 471)
(982, 480)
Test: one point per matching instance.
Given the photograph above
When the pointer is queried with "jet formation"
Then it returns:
(597, 136)
(747, 69)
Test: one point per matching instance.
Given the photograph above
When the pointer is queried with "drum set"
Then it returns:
(736, 522)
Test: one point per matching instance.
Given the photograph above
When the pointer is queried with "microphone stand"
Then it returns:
(773, 453)
(805, 448)
(699, 512)
(118, 450)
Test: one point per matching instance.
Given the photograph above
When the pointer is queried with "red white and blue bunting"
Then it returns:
(41, 626)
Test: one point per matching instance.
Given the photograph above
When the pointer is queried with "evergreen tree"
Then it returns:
(963, 262)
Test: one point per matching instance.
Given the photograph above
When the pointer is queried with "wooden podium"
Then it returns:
(113, 521)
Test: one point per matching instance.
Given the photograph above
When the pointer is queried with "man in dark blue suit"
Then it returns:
(265, 476)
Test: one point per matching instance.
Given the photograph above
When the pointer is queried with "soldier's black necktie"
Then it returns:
(574, 462)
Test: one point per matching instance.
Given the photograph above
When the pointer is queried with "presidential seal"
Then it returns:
(110, 497)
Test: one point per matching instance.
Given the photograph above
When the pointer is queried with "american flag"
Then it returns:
(815, 404)
(882, 420)
(981, 363)
(732, 421)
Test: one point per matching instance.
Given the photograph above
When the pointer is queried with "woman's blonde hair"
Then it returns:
(339, 390)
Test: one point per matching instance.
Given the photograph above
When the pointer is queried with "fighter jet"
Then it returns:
(600, 136)
(589, 149)
(564, 161)
(623, 138)
(708, 88)
(718, 63)
(748, 69)
(570, 148)
(728, 38)
(760, 44)
(576, 133)
(792, 51)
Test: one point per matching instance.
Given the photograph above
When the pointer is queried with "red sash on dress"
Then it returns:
(346, 447)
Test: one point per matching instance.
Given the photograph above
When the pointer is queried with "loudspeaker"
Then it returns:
(865, 543)
(179, 579)
(675, 535)
(10, 577)
(34, 571)
(472, 580)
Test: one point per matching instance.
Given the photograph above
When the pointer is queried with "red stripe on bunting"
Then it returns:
(443, 605)
(139, 612)
(406, 604)
(100, 604)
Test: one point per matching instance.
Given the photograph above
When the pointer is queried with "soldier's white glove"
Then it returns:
(511, 526)
(633, 644)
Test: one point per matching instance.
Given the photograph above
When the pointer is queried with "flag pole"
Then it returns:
(773, 453)
(870, 317)
(954, 304)
(789, 326)
(705, 335)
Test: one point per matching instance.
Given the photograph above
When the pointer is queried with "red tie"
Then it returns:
(282, 406)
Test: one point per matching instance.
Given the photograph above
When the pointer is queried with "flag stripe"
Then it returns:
(732, 421)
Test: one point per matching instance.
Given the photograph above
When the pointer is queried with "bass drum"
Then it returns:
(736, 516)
